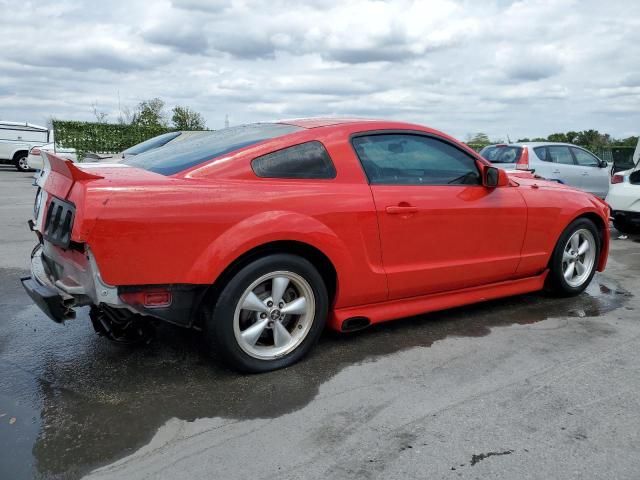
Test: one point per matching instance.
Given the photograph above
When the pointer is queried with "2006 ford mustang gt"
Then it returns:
(262, 234)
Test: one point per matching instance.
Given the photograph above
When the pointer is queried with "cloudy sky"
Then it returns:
(517, 68)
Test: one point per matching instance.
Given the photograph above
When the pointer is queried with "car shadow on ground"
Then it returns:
(101, 402)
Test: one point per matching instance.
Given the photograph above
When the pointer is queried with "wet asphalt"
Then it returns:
(524, 387)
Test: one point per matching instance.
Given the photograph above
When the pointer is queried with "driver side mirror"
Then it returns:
(603, 164)
(493, 177)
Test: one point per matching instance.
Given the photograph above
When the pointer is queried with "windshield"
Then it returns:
(150, 144)
(179, 156)
(501, 153)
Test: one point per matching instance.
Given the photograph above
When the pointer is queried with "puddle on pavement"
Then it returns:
(100, 402)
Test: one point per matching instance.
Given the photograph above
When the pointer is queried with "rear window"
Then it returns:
(178, 156)
(501, 153)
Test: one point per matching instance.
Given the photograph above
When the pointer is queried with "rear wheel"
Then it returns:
(20, 163)
(270, 314)
(575, 258)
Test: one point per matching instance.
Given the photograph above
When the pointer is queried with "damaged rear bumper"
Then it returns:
(61, 281)
(57, 307)
(57, 285)
(57, 304)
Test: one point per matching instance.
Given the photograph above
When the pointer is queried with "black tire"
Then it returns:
(20, 162)
(556, 282)
(219, 327)
(625, 228)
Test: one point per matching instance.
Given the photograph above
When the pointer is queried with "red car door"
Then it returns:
(440, 229)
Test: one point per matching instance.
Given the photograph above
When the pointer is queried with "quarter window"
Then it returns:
(306, 160)
(406, 159)
(541, 152)
(584, 158)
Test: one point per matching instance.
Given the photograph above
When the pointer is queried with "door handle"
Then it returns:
(555, 171)
(585, 174)
(401, 209)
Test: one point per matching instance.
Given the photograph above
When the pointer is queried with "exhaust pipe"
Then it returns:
(354, 324)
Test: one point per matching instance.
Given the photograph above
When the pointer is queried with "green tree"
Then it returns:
(184, 118)
(150, 113)
(625, 142)
(591, 139)
(572, 137)
(558, 137)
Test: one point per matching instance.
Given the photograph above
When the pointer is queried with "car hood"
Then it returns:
(525, 178)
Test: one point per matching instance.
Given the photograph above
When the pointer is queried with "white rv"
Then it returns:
(16, 139)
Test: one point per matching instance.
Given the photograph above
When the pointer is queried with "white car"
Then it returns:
(35, 162)
(16, 139)
(561, 162)
(624, 198)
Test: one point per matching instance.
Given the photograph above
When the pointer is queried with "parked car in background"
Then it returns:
(624, 197)
(560, 162)
(34, 160)
(16, 139)
(155, 142)
(260, 235)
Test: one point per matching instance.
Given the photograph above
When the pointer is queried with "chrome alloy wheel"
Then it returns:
(274, 315)
(579, 257)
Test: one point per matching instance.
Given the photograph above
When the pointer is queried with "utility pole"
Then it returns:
(226, 121)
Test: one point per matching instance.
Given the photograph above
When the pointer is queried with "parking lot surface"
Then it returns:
(525, 387)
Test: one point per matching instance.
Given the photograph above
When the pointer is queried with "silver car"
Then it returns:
(562, 162)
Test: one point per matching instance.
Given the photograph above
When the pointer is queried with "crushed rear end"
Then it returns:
(65, 273)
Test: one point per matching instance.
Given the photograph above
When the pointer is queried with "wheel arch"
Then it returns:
(603, 229)
(17, 154)
(305, 250)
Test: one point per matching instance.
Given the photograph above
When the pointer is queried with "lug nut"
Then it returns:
(263, 315)
(269, 303)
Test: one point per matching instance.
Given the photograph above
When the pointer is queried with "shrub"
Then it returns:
(102, 138)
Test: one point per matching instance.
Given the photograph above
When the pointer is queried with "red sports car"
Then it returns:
(262, 234)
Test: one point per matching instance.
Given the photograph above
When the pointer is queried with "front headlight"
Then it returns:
(36, 204)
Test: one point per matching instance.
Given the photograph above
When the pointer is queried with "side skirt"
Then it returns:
(407, 307)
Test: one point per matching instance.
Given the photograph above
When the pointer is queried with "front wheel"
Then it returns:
(269, 315)
(575, 258)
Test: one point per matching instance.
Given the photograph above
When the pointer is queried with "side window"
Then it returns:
(406, 159)
(559, 154)
(541, 153)
(307, 160)
(584, 158)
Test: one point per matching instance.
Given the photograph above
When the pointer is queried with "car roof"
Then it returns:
(534, 144)
(23, 126)
(315, 122)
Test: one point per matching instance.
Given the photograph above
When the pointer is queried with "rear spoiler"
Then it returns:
(59, 174)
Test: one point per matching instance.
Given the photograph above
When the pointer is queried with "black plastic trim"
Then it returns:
(49, 300)
(59, 222)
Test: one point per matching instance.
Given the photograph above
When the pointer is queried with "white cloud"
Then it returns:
(525, 68)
